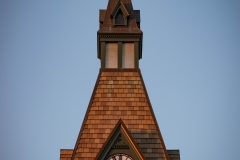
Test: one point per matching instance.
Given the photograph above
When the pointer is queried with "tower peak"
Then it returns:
(119, 35)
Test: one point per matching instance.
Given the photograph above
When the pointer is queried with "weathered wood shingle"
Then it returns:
(137, 15)
(66, 154)
(174, 154)
(119, 93)
(102, 14)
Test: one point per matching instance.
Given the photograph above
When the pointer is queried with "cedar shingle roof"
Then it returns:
(102, 14)
(119, 93)
(174, 154)
(66, 154)
(137, 15)
(107, 27)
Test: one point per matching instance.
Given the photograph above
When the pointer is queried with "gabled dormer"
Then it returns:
(120, 145)
(120, 15)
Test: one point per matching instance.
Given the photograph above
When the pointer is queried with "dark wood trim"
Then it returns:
(132, 139)
(66, 149)
(103, 54)
(119, 34)
(119, 54)
(140, 47)
(117, 128)
(120, 6)
(119, 69)
(107, 140)
(119, 39)
(98, 47)
(136, 55)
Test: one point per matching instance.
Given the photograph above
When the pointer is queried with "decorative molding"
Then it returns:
(119, 143)
(125, 14)
(121, 6)
(120, 36)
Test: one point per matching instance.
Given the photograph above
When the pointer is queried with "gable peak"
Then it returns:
(120, 6)
(120, 144)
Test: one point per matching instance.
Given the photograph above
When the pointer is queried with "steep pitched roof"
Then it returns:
(119, 93)
(107, 26)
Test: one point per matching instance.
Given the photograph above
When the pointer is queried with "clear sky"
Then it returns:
(49, 66)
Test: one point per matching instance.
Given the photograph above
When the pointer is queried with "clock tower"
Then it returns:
(119, 123)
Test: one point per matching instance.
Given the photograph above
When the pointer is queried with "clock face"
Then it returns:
(120, 157)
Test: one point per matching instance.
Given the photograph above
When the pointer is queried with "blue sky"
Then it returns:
(190, 66)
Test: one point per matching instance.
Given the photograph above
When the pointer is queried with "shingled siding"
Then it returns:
(119, 94)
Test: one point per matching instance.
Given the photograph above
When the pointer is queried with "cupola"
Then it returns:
(119, 123)
(119, 36)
